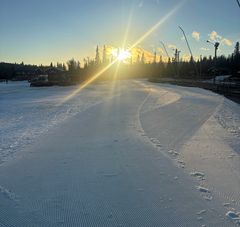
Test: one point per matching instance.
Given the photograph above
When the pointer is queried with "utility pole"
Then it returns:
(216, 46)
(177, 60)
(177, 55)
(189, 48)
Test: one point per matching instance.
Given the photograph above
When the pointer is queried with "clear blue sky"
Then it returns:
(47, 31)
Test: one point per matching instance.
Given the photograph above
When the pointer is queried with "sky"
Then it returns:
(45, 31)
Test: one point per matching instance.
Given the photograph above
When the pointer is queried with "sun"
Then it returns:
(121, 54)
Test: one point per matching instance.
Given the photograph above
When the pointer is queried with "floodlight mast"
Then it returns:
(216, 46)
(177, 60)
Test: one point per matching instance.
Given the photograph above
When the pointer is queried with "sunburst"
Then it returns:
(123, 54)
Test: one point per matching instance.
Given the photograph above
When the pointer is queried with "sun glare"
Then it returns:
(121, 55)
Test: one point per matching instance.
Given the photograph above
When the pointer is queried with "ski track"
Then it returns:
(23, 121)
(156, 98)
(229, 119)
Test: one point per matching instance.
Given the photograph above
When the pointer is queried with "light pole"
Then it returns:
(177, 60)
(216, 46)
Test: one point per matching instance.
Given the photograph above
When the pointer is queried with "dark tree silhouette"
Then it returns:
(97, 58)
(156, 69)
(72, 65)
(104, 55)
(143, 58)
(155, 57)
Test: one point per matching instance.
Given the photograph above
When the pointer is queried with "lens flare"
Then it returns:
(158, 24)
(121, 55)
(124, 54)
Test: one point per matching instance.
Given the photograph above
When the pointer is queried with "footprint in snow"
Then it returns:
(208, 197)
(205, 192)
(226, 204)
(201, 212)
(202, 189)
(8, 194)
(233, 216)
(197, 174)
(199, 218)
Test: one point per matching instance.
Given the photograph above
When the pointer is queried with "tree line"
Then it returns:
(73, 70)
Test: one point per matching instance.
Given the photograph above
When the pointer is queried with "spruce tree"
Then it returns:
(104, 55)
(155, 57)
(97, 58)
(143, 58)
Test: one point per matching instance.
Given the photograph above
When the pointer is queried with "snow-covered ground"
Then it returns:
(218, 79)
(28, 112)
(211, 153)
(133, 154)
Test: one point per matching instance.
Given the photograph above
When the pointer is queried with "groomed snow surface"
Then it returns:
(126, 153)
(27, 112)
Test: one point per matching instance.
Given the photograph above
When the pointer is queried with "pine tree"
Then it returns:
(236, 60)
(78, 66)
(59, 66)
(138, 59)
(64, 67)
(237, 49)
(155, 57)
(85, 63)
(72, 65)
(97, 58)
(104, 55)
(143, 58)
(161, 59)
